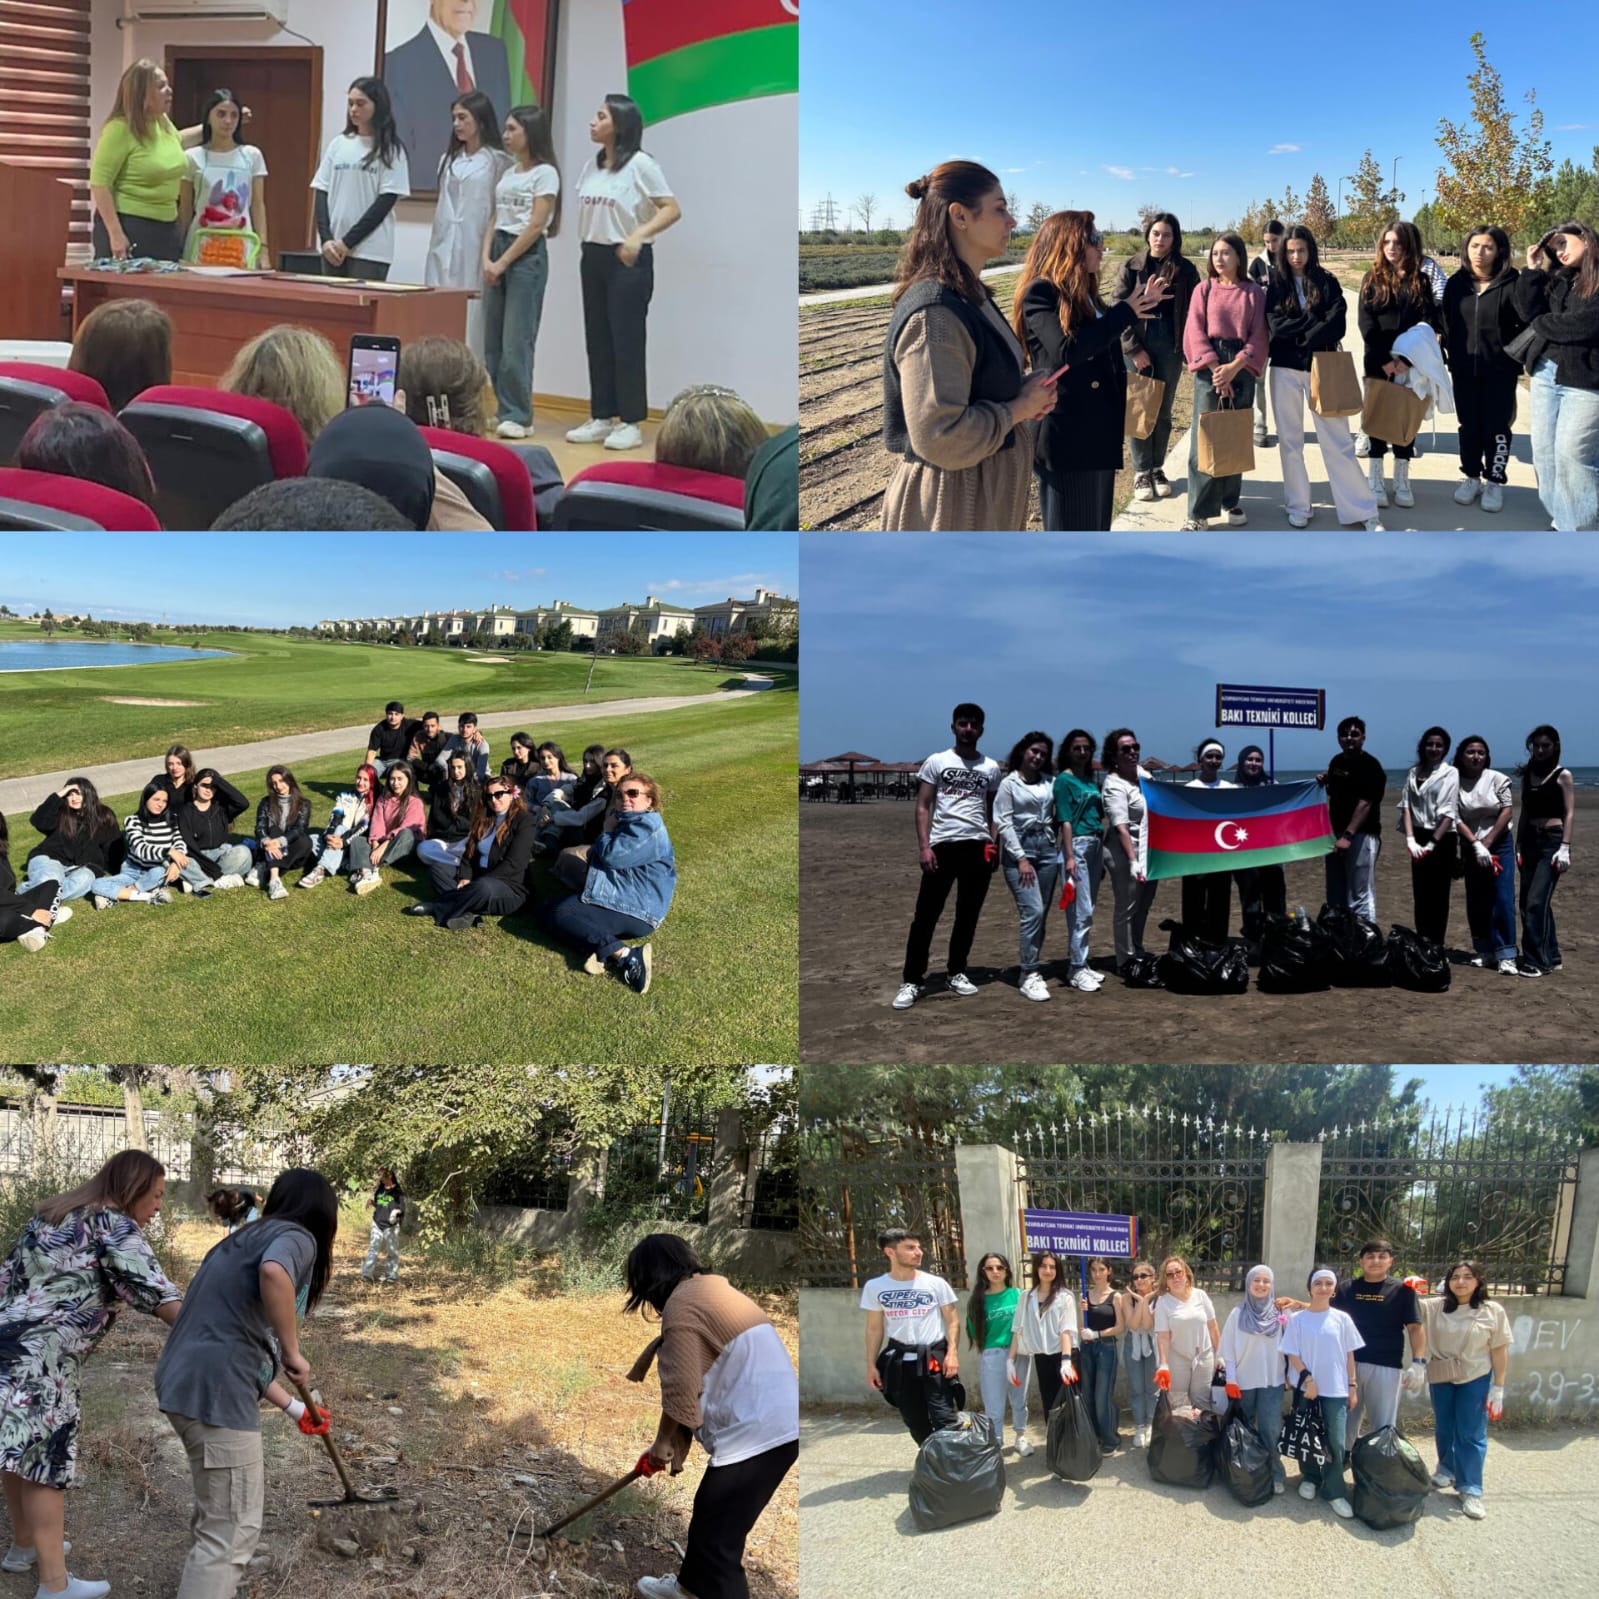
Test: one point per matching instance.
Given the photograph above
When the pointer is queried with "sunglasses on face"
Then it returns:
(632, 793)
(499, 793)
(1128, 749)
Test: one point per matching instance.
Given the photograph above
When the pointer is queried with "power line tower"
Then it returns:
(827, 213)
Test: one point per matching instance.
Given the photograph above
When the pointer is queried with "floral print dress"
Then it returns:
(59, 1294)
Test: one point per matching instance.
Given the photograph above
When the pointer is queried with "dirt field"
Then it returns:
(486, 1407)
(858, 881)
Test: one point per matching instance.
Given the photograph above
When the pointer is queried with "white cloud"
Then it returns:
(1283, 149)
(740, 585)
(1185, 174)
(1126, 174)
(524, 574)
(1013, 169)
(1569, 127)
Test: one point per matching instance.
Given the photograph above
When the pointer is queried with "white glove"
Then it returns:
(1417, 851)
(1068, 1372)
(294, 1409)
(1414, 1378)
(1089, 1335)
(1562, 859)
(1496, 1402)
(1483, 853)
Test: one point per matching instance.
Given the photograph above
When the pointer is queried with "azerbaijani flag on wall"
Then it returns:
(526, 29)
(1190, 830)
(684, 55)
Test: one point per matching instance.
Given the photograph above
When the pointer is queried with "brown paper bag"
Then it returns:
(1392, 412)
(1226, 442)
(1144, 395)
(1334, 385)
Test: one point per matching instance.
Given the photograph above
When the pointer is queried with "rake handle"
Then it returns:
(327, 1438)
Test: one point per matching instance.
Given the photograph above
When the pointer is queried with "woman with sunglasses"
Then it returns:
(206, 814)
(1138, 1349)
(1045, 1328)
(1124, 828)
(1429, 807)
(1489, 856)
(398, 826)
(1080, 810)
(490, 878)
(1186, 1336)
(990, 1312)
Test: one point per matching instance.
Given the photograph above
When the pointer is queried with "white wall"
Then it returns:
(724, 309)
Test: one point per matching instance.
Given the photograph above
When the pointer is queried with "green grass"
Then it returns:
(328, 977)
(277, 686)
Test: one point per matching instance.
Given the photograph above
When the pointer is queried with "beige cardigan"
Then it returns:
(702, 1317)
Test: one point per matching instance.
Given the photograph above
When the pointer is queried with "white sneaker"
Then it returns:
(1236, 517)
(591, 432)
(1362, 445)
(160, 896)
(1143, 486)
(1467, 490)
(313, 877)
(1508, 969)
(1441, 1479)
(76, 1588)
(102, 902)
(1295, 520)
(1472, 1505)
(1372, 525)
(1341, 1508)
(907, 996)
(1402, 495)
(20, 1559)
(962, 984)
(141, 896)
(368, 880)
(1023, 1448)
(277, 890)
(667, 1587)
(1083, 981)
(625, 436)
(1493, 496)
(512, 430)
(1374, 477)
(63, 914)
(37, 937)
(252, 878)
(1193, 525)
(1307, 1490)
(1033, 987)
(229, 880)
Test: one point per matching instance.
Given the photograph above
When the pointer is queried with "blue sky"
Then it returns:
(1457, 1086)
(276, 583)
(1483, 633)
(1103, 107)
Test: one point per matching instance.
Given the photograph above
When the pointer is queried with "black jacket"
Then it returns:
(266, 825)
(443, 823)
(1478, 326)
(1567, 326)
(209, 829)
(509, 856)
(1084, 432)
(1379, 328)
(1185, 279)
(87, 849)
(1296, 334)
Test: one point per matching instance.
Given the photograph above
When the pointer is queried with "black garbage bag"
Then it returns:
(959, 1475)
(1358, 953)
(1074, 1449)
(1182, 1449)
(1245, 1461)
(1293, 959)
(1391, 1481)
(1142, 971)
(1194, 965)
(1417, 963)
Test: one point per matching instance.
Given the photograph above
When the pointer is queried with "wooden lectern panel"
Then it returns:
(33, 244)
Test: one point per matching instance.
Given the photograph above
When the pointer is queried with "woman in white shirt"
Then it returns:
(1428, 808)
(225, 186)
(1322, 1342)
(1186, 1336)
(516, 264)
(1483, 822)
(471, 166)
(1046, 1328)
(1024, 813)
(363, 172)
(1252, 1352)
(626, 202)
(1207, 896)
(1124, 828)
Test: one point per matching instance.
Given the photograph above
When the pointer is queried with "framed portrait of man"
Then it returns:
(431, 51)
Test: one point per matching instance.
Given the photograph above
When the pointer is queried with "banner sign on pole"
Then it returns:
(1080, 1232)
(1242, 705)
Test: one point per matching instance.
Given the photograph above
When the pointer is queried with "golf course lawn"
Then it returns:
(327, 977)
(275, 686)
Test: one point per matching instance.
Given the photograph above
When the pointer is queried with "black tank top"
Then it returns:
(1545, 802)
(1100, 1317)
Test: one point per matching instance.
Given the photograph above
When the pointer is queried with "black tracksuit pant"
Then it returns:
(1486, 407)
(926, 1400)
(962, 866)
(616, 301)
(1431, 880)
(729, 1502)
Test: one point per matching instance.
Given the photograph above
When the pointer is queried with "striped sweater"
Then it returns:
(150, 840)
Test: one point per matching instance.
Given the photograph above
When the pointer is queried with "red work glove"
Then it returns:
(1234, 1391)
(646, 1467)
(991, 852)
(1163, 1379)
(1418, 1283)
(315, 1422)
(1068, 892)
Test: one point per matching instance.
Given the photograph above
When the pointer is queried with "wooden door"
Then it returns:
(283, 89)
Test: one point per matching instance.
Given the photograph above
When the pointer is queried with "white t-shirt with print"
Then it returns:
(1323, 1339)
(515, 193)
(910, 1308)
(223, 185)
(960, 808)
(614, 203)
(1481, 803)
(351, 187)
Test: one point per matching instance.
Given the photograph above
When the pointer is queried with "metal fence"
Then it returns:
(667, 1164)
(856, 1180)
(772, 1198)
(1458, 1185)
(1196, 1185)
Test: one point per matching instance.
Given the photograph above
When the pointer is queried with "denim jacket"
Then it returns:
(631, 869)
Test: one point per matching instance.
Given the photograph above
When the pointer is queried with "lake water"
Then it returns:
(26, 655)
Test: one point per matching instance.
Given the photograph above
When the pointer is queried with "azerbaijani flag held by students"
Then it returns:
(1190, 830)
(684, 55)
(526, 29)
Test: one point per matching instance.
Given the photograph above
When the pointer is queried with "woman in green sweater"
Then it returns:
(989, 1314)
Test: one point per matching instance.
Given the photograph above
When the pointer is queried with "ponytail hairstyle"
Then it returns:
(930, 252)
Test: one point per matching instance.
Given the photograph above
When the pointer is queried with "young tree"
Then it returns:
(1037, 215)
(556, 635)
(1147, 214)
(1318, 212)
(1014, 203)
(1572, 195)
(48, 622)
(1287, 211)
(1494, 170)
(865, 204)
(1370, 202)
(706, 650)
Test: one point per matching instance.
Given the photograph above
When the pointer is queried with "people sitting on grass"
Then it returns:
(78, 835)
(454, 805)
(282, 833)
(623, 885)
(552, 778)
(154, 856)
(81, 441)
(390, 740)
(206, 813)
(397, 828)
(468, 741)
(352, 815)
(27, 914)
(580, 821)
(492, 873)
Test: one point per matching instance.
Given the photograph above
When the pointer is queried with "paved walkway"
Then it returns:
(1433, 476)
(868, 291)
(857, 1537)
(124, 777)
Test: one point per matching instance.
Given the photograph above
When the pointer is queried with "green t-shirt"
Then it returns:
(143, 178)
(1079, 804)
(1001, 1309)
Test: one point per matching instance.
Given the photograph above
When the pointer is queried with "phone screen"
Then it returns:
(373, 374)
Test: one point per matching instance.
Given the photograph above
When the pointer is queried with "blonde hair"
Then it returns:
(118, 1185)
(292, 367)
(1177, 1260)
(133, 94)
(447, 372)
(709, 429)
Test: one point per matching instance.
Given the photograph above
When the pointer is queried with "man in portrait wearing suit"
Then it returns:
(444, 59)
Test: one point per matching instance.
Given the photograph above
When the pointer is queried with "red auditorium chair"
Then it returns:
(28, 388)
(207, 449)
(625, 495)
(31, 501)
(494, 478)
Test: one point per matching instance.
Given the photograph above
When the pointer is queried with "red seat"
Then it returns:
(28, 389)
(622, 495)
(73, 385)
(512, 483)
(69, 504)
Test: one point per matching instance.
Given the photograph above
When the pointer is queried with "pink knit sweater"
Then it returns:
(1226, 311)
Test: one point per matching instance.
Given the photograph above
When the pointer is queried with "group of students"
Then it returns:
(234, 1345)
(1056, 827)
(975, 406)
(419, 792)
(1351, 1348)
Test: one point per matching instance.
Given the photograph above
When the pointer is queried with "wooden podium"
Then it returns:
(33, 244)
(213, 316)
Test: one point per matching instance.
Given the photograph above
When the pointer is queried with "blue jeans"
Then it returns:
(1099, 1383)
(1032, 904)
(595, 927)
(512, 309)
(1088, 866)
(1352, 875)
(1539, 879)
(993, 1377)
(130, 877)
(229, 859)
(1491, 901)
(1141, 1386)
(1263, 1410)
(1460, 1422)
(75, 881)
(1335, 1417)
(1565, 450)
(1209, 495)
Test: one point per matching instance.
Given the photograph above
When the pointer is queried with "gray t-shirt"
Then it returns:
(222, 1352)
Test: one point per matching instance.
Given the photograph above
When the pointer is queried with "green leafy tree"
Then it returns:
(1318, 214)
(1572, 195)
(48, 622)
(1037, 215)
(1370, 201)
(629, 643)
(556, 635)
(1287, 211)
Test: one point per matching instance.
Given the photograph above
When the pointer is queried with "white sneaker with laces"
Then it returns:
(1033, 987)
(1507, 968)
(1374, 526)
(34, 939)
(1023, 1448)
(591, 432)
(252, 878)
(1341, 1508)
(277, 890)
(161, 896)
(1441, 1479)
(1362, 445)
(370, 879)
(63, 914)
(76, 1588)
(624, 436)
(1493, 496)
(1194, 526)
(1402, 495)
(1467, 490)
(102, 902)
(1083, 981)
(907, 996)
(1481, 962)
(19, 1558)
(1374, 477)
(962, 984)
(667, 1587)
(1296, 520)
(229, 880)
(312, 878)
(1472, 1505)
(512, 430)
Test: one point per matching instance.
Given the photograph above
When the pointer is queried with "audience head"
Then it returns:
(553, 759)
(499, 805)
(529, 139)
(1299, 252)
(366, 781)
(446, 386)
(380, 449)
(709, 429)
(220, 114)
(82, 441)
(620, 124)
(317, 505)
(292, 367)
(126, 345)
(144, 97)
(771, 487)
(458, 769)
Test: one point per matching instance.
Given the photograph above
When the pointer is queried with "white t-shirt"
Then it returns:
(960, 808)
(1188, 1321)
(1199, 782)
(1481, 803)
(750, 1401)
(1124, 803)
(615, 203)
(1323, 1339)
(517, 190)
(223, 182)
(910, 1309)
(351, 188)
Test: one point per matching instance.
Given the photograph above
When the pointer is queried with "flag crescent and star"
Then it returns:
(1221, 828)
